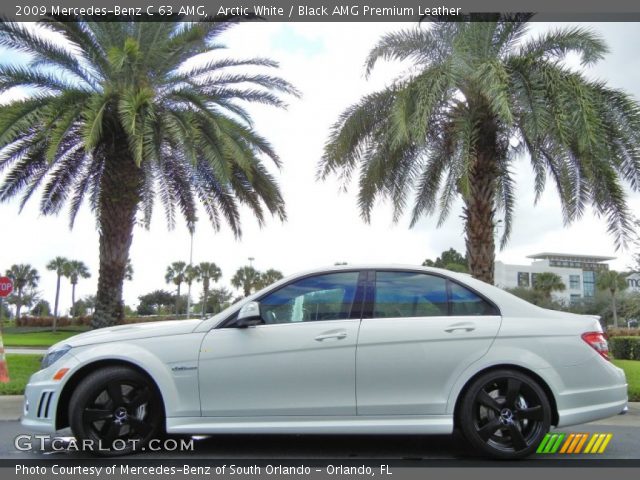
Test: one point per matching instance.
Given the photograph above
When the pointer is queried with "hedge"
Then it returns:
(625, 348)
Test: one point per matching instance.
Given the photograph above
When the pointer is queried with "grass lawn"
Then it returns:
(20, 369)
(35, 339)
(632, 370)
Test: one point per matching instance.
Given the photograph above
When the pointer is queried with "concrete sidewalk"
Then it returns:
(11, 409)
(25, 350)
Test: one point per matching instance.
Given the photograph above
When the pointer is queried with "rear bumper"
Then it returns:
(592, 391)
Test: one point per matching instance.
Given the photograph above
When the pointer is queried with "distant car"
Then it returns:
(345, 350)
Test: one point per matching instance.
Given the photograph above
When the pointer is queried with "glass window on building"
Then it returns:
(574, 282)
(533, 278)
(589, 283)
(523, 279)
(575, 299)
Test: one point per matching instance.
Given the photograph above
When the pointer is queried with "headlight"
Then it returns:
(52, 356)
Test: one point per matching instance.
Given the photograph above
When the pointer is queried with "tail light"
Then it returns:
(597, 341)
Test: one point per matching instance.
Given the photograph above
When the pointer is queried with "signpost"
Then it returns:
(6, 287)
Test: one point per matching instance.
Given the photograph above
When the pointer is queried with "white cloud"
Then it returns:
(323, 224)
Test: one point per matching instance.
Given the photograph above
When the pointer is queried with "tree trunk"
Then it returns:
(479, 207)
(55, 307)
(73, 300)
(205, 287)
(614, 308)
(118, 202)
(18, 304)
(178, 302)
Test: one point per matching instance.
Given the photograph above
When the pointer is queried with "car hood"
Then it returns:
(131, 332)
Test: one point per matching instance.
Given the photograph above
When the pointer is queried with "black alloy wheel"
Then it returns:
(505, 414)
(115, 411)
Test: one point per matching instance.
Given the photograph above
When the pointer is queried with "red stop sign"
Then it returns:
(6, 286)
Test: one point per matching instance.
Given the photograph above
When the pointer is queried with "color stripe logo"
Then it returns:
(574, 443)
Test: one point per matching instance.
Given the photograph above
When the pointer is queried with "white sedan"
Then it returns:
(344, 350)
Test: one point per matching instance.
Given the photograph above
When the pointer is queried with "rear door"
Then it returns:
(423, 330)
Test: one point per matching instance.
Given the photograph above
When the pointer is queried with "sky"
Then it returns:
(325, 62)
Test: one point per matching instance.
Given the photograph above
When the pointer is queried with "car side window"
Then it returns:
(466, 302)
(323, 297)
(409, 294)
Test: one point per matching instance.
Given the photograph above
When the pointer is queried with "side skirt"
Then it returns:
(404, 424)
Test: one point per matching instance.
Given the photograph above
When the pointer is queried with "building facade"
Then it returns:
(578, 273)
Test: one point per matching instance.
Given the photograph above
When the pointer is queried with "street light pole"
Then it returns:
(191, 230)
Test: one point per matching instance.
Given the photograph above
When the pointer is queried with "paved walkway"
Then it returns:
(25, 350)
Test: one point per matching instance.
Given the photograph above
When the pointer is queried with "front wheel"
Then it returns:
(505, 414)
(115, 411)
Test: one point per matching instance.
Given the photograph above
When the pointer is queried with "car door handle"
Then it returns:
(326, 336)
(467, 327)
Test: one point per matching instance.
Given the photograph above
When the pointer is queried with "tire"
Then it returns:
(115, 411)
(505, 414)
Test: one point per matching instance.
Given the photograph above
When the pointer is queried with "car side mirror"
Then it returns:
(249, 316)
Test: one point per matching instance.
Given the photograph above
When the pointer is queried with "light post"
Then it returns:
(192, 227)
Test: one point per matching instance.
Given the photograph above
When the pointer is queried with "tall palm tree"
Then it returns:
(24, 277)
(477, 97)
(176, 273)
(122, 112)
(613, 282)
(269, 277)
(57, 265)
(207, 272)
(247, 279)
(547, 282)
(74, 270)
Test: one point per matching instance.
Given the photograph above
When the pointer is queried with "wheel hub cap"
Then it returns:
(120, 414)
(506, 416)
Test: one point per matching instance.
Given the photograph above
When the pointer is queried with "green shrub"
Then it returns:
(625, 348)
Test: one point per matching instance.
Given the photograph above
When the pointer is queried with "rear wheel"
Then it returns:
(505, 414)
(115, 411)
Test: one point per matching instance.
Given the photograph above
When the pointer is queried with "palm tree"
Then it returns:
(207, 271)
(547, 282)
(122, 112)
(57, 265)
(246, 278)
(613, 282)
(24, 277)
(477, 97)
(74, 270)
(269, 277)
(176, 273)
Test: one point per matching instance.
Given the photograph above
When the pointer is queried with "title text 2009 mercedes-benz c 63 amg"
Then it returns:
(366, 350)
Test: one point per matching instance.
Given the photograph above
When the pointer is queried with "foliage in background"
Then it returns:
(450, 260)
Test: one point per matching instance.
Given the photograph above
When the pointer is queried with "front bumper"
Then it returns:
(42, 395)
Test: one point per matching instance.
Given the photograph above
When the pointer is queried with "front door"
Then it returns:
(301, 361)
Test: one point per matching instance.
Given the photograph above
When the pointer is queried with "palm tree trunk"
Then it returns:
(178, 302)
(55, 307)
(614, 308)
(18, 304)
(479, 208)
(205, 287)
(73, 300)
(118, 202)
